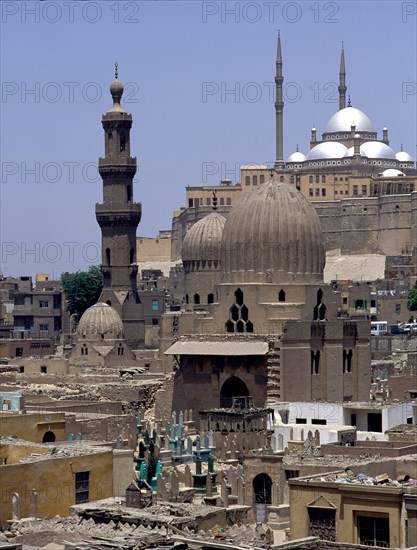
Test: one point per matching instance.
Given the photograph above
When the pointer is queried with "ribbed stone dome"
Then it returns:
(98, 320)
(202, 242)
(272, 234)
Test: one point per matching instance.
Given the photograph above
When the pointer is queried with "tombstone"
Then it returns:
(146, 437)
(175, 486)
(143, 471)
(166, 443)
(198, 462)
(205, 441)
(223, 452)
(161, 490)
(211, 438)
(224, 493)
(233, 453)
(186, 415)
(33, 504)
(317, 438)
(78, 437)
(15, 506)
(119, 442)
(141, 450)
(188, 480)
(239, 471)
(241, 492)
(197, 443)
(189, 446)
(70, 437)
(274, 495)
(156, 451)
(181, 419)
(210, 463)
(233, 482)
(178, 447)
(209, 485)
(174, 418)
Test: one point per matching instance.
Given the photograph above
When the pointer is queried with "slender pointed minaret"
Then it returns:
(342, 81)
(279, 108)
(118, 217)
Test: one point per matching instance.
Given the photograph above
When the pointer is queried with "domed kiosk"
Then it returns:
(99, 338)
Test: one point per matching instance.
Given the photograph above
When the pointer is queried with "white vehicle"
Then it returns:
(379, 328)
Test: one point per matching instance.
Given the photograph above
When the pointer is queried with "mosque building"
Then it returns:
(271, 330)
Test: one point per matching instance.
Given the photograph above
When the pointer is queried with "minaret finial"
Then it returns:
(297, 147)
(349, 102)
(279, 108)
(116, 72)
(214, 202)
(342, 80)
(401, 146)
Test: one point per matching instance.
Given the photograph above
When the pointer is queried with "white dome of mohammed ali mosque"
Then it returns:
(327, 150)
(402, 156)
(297, 156)
(343, 120)
(374, 150)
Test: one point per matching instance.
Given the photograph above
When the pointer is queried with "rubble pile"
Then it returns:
(362, 479)
(75, 534)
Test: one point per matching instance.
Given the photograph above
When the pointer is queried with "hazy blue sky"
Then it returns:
(182, 60)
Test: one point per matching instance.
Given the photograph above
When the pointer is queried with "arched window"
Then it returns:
(323, 179)
(132, 255)
(187, 299)
(210, 298)
(122, 142)
(319, 313)
(349, 361)
(49, 437)
(108, 303)
(281, 295)
(233, 387)
(310, 179)
(196, 298)
(128, 193)
(108, 257)
(317, 363)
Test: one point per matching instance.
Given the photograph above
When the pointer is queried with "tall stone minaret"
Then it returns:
(279, 108)
(118, 217)
(342, 81)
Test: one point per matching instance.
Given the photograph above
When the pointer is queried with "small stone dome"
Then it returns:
(392, 172)
(402, 156)
(272, 234)
(327, 150)
(342, 121)
(296, 157)
(202, 241)
(100, 322)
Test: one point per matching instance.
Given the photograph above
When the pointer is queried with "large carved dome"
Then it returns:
(202, 241)
(272, 234)
(100, 322)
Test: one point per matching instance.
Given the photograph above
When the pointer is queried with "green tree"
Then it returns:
(412, 299)
(82, 289)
